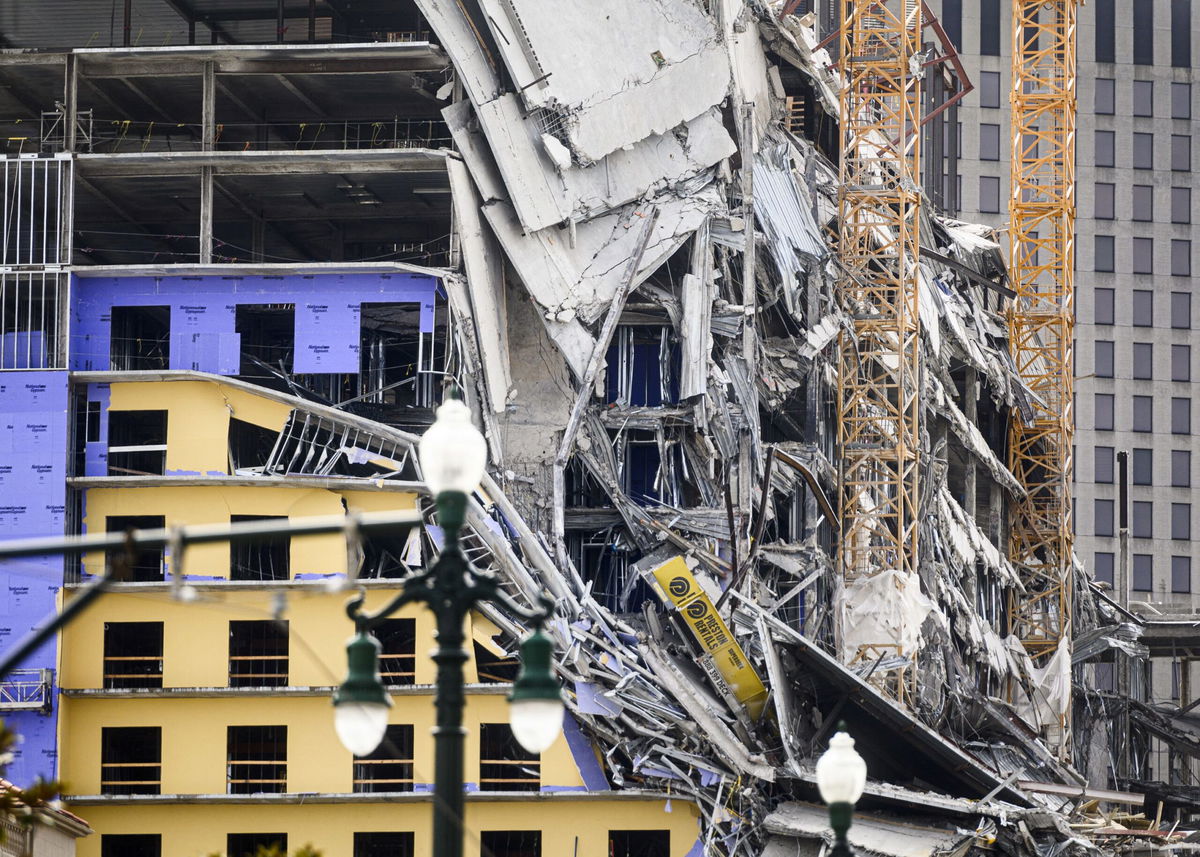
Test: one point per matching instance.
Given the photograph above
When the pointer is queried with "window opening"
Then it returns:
(504, 765)
(133, 654)
(268, 339)
(510, 843)
(137, 443)
(639, 843)
(250, 447)
(147, 562)
(643, 366)
(130, 845)
(398, 844)
(130, 760)
(398, 658)
(258, 653)
(140, 338)
(248, 844)
(257, 760)
(493, 669)
(261, 559)
(390, 767)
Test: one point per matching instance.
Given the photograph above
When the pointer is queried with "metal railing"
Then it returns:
(27, 690)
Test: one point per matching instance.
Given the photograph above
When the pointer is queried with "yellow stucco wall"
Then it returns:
(569, 828)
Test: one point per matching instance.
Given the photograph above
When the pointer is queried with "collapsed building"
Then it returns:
(639, 293)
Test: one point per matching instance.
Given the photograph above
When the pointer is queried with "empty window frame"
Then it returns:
(1143, 413)
(989, 194)
(260, 559)
(1181, 205)
(989, 142)
(604, 560)
(1106, 31)
(137, 443)
(146, 564)
(140, 338)
(510, 843)
(258, 653)
(1103, 259)
(1104, 412)
(268, 339)
(494, 669)
(1143, 572)
(1181, 521)
(1143, 519)
(1181, 310)
(1105, 149)
(390, 767)
(1143, 308)
(1181, 415)
(1106, 96)
(130, 760)
(398, 360)
(1143, 202)
(1105, 201)
(1181, 468)
(1143, 361)
(1181, 363)
(1143, 151)
(504, 765)
(1181, 577)
(133, 654)
(1181, 33)
(989, 89)
(384, 844)
(130, 845)
(639, 843)
(1104, 567)
(32, 306)
(256, 760)
(1181, 152)
(1102, 517)
(1143, 32)
(250, 447)
(642, 367)
(249, 844)
(1181, 101)
(1143, 466)
(1181, 257)
(398, 656)
(1102, 468)
(1104, 303)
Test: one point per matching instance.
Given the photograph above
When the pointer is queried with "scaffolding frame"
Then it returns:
(1041, 325)
(879, 420)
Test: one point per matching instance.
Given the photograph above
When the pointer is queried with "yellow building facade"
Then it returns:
(202, 725)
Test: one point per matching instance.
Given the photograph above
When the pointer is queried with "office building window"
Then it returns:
(130, 760)
(257, 760)
(1106, 144)
(1102, 524)
(1104, 358)
(1104, 677)
(1143, 572)
(989, 28)
(1106, 31)
(1181, 152)
(1181, 205)
(1181, 468)
(1143, 32)
(1105, 306)
(1104, 568)
(1143, 98)
(1181, 101)
(1103, 466)
(504, 765)
(1143, 308)
(1181, 521)
(1105, 200)
(130, 845)
(1104, 412)
(397, 844)
(1104, 254)
(1143, 202)
(1143, 151)
(258, 653)
(989, 142)
(249, 844)
(1181, 310)
(1181, 363)
(511, 843)
(951, 19)
(1181, 257)
(262, 559)
(1181, 581)
(1143, 361)
(989, 194)
(390, 767)
(1143, 467)
(1105, 102)
(1143, 413)
(1143, 255)
(639, 843)
(1181, 415)
(989, 89)
(133, 654)
(1181, 33)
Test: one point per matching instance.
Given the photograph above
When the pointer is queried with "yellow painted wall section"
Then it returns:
(215, 505)
(198, 415)
(569, 828)
(194, 739)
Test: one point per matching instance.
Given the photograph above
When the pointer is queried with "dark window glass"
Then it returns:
(1106, 149)
(248, 844)
(1181, 363)
(1181, 468)
(1106, 95)
(1181, 257)
(1143, 202)
(390, 767)
(1181, 205)
(1143, 255)
(1106, 31)
(1104, 412)
(1143, 467)
(1104, 568)
(1103, 513)
(1181, 521)
(258, 653)
(1143, 572)
(1181, 33)
(989, 194)
(989, 28)
(989, 142)
(952, 22)
(1104, 258)
(130, 845)
(1105, 203)
(989, 88)
(504, 765)
(1143, 32)
(133, 654)
(1143, 361)
(1104, 358)
(1143, 151)
(1143, 519)
(257, 760)
(639, 843)
(1181, 101)
(1143, 306)
(1181, 576)
(1181, 310)
(1143, 98)
(130, 760)
(1103, 467)
(398, 844)
(1105, 306)
(1181, 152)
(1143, 413)
(1181, 415)
(511, 843)
(1105, 677)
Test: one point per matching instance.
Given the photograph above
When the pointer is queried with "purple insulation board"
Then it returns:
(203, 315)
(33, 456)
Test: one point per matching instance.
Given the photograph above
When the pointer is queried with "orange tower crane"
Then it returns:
(1040, 327)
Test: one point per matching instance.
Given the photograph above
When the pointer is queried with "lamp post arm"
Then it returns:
(412, 589)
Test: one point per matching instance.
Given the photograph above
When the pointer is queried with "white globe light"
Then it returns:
(536, 723)
(453, 453)
(360, 726)
(841, 772)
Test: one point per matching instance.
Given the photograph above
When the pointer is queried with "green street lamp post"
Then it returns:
(453, 455)
(841, 778)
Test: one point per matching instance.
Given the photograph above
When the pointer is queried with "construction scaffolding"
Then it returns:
(1041, 322)
(879, 416)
